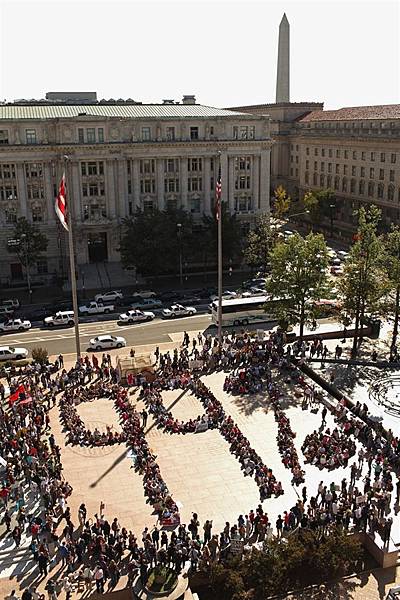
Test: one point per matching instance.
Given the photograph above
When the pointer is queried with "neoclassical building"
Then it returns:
(354, 151)
(123, 155)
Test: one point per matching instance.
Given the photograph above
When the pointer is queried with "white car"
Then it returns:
(11, 353)
(177, 310)
(145, 294)
(136, 316)
(225, 296)
(146, 303)
(61, 319)
(109, 296)
(6, 311)
(15, 325)
(254, 291)
(101, 342)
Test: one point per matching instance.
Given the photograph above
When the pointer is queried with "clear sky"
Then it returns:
(345, 53)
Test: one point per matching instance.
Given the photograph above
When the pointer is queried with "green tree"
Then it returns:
(281, 202)
(231, 236)
(298, 278)
(392, 267)
(318, 204)
(152, 241)
(364, 283)
(29, 242)
(259, 244)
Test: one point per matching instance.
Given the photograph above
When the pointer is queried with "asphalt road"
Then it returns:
(63, 340)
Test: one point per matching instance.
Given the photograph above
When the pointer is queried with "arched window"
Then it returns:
(322, 180)
(337, 183)
(380, 190)
(353, 186)
(329, 181)
(306, 177)
(391, 192)
(315, 179)
(344, 185)
(361, 187)
(371, 188)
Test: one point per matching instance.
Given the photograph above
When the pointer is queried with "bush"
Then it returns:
(40, 355)
(301, 560)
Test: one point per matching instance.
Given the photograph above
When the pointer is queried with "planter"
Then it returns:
(161, 581)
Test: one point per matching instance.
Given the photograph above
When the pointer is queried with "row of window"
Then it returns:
(93, 135)
(355, 171)
(354, 154)
(345, 185)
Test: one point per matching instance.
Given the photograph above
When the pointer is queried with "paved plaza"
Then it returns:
(198, 468)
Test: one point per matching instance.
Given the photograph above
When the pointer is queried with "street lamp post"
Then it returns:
(332, 207)
(179, 226)
(28, 275)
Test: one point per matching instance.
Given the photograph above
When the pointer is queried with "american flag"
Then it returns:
(218, 194)
(61, 203)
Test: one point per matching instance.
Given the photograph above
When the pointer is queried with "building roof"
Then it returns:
(156, 111)
(276, 105)
(356, 113)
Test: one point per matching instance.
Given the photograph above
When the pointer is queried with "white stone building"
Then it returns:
(123, 156)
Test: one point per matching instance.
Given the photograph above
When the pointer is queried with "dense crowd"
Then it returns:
(95, 550)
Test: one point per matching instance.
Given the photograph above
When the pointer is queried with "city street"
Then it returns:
(63, 340)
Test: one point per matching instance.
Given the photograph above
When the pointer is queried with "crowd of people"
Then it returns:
(328, 449)
(94, 551)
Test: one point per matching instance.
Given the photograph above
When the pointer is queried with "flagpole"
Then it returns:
(220, 263)
(72, 261)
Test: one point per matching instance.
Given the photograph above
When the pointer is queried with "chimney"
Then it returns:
(189, 100)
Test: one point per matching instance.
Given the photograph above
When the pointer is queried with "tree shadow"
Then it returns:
(338, 590)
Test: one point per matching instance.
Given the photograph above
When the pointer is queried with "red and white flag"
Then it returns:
(61, 203)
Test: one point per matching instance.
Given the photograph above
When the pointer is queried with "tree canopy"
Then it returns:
(152, 241)
(259, 244)
(281, 202)
(29, 242)
(364, 283)
(392, 267)
(298, 278)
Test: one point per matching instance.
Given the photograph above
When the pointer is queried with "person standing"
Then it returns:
(99, 579)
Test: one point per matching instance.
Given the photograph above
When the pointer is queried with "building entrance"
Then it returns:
(97, 247)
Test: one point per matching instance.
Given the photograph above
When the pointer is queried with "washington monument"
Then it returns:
(283, 72)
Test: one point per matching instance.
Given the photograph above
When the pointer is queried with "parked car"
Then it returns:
(188, 300)
(170, 296)
(62, 318)
(336, 270)
(15, 325)
(33, 315)
(145, 294)
(143, 303)
(101, 342)
(110, 296)
(11, 302)
(177, 310)
(11, 353)
(6, 311)
(225, 296)
(96, 308)
(254, 291)
(136, 316)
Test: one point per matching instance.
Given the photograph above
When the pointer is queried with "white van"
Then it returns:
(64, 318)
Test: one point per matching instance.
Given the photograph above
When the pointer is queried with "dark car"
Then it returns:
(34, 314)
(170, 296)
(189, 300)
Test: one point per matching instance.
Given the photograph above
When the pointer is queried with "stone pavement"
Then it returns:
(199, 470)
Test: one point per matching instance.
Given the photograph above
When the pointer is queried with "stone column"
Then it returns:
(77, 208)
(122, 187)
(49, 192)
(21, 188)
(224, 178)
(207, 189)
(264, 204)
(231, 164)
(160, 183)
(184, 183)
(135, 183)
(110, 188)
(255, 176)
